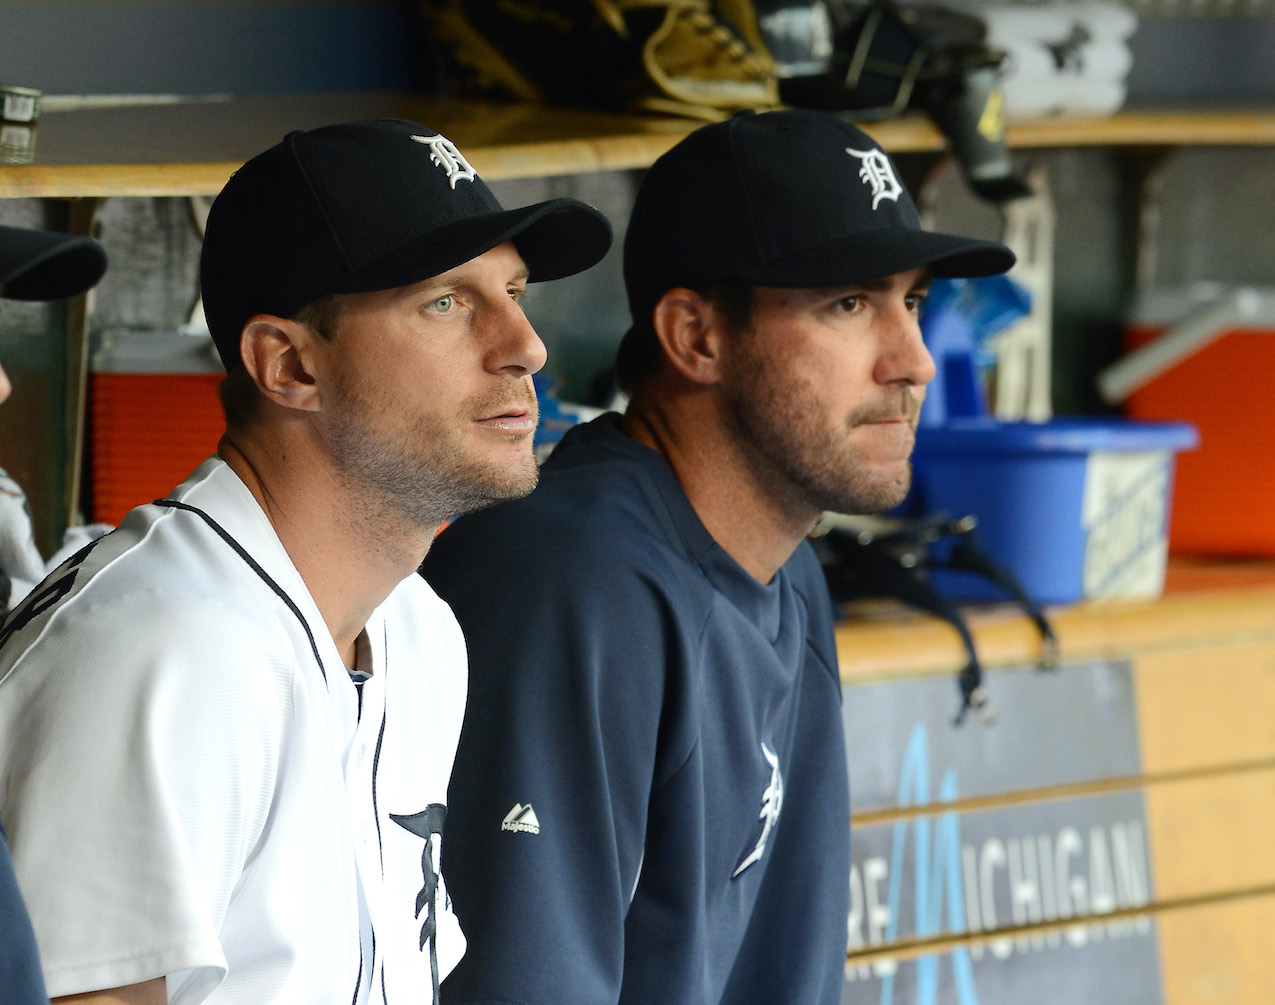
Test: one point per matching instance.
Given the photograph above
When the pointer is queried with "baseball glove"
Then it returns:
(698, 58)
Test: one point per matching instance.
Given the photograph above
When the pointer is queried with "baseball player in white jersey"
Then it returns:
(34, 265)
(38, 265)
(226, 728)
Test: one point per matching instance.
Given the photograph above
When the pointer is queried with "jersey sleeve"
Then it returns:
(560, 751)
(142, 741)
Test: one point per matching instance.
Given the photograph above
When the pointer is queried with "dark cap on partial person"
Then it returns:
(43, 265)
(790, 198)
(362, 206)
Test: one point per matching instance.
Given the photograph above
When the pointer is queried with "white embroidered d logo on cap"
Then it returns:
(443, 152)
(876, 171)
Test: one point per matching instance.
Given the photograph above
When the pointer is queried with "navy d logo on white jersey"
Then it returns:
(878, 174)
(443, 152)
(772, 801)
(428, 825)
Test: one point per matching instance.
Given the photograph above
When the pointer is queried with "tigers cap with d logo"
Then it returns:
(790, 198)
(362, 206)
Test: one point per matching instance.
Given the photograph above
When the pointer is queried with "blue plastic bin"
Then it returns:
(1076, 508)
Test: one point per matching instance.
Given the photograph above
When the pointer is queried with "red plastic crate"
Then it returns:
(1224, 493)
(147, 432)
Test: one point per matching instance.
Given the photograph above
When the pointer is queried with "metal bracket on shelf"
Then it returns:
(1023, 372)
(81, 219)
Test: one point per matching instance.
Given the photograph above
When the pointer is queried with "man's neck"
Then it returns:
(745, 517)
(348, 558)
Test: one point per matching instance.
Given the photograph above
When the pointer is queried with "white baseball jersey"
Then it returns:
(192, 787)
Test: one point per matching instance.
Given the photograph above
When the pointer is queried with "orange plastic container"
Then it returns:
(1224, 491)
(147, 432)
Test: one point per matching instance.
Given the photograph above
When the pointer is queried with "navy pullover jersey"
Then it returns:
(21, 981)
(649, 802)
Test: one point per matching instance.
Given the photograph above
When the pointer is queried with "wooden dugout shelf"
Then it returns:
(190, 148)
(1206, 604)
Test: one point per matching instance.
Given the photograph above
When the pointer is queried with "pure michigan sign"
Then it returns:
(980, 870)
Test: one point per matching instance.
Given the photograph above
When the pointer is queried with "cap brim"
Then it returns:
(870, 255)
(557, 238)
(42, 265)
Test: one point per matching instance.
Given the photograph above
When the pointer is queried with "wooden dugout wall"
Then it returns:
(1203, 664)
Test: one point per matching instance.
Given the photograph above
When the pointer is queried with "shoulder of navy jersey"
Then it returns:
(604, 502)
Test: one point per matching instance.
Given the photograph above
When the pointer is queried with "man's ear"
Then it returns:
(690, 331)
(278, 355)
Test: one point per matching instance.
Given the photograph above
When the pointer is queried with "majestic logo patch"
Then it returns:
(443, 152)
(521, 818)
(878, 173)
(772, 801)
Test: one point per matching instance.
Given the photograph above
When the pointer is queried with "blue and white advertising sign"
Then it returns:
(1003, 864)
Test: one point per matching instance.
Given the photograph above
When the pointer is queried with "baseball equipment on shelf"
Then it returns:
(872, 60)
(685, 57)
(888, 557)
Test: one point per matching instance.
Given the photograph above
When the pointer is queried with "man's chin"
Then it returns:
(902, 486)
(509, 485)
(880, 495)
(891, 486)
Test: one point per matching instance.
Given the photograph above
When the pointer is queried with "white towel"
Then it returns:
(1057, 21)
(1066, 58)
(1027, 59)
(1042, 97)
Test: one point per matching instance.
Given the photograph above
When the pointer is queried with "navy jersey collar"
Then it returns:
(762, 603)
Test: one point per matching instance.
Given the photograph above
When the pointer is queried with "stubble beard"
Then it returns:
(423, 473)
(785, 426)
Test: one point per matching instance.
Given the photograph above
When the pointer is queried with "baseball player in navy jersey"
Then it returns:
(650, 802)
(228, 725)
(34, 265)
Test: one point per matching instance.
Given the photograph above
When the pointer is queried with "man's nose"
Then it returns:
(516, 347)
(905, 358)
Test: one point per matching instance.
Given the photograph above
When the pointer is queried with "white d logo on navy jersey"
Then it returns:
(772, 801)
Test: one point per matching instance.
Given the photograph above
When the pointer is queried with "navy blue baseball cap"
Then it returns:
(789, 198)
(362, 206)
(43, 265)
